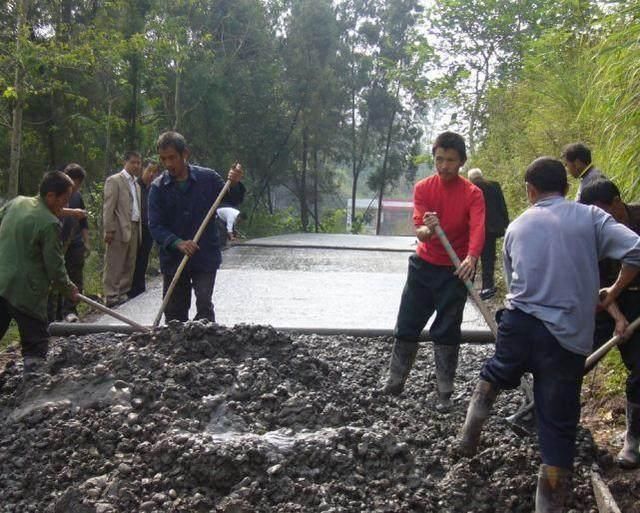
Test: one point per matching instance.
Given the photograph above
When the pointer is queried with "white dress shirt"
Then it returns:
(135, 209)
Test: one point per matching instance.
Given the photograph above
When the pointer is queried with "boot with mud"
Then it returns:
(629, 456)
(446, 359)
(403, 356)
(554, 485)
(482, 400)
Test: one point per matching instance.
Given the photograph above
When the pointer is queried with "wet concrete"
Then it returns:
(198, 418)
(304, 281)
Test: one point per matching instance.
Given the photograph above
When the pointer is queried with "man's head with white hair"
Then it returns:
(474, 174)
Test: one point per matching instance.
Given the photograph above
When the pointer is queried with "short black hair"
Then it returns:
(56, 182)
(169, 139)
(575, 151)
(75, 171)
(547, 174)
(451, 140)
(128, 155)
(599, 191)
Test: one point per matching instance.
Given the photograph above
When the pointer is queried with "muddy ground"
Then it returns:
(205, 418)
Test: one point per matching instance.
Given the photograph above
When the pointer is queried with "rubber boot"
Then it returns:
(446, 358)
(629, 456)
(402, 357)
(482, 400)
(554, 484)
(32, 365)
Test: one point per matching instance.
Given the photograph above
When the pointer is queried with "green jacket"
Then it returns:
(31, 257)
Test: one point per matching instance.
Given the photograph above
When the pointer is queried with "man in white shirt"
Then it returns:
(121, 223)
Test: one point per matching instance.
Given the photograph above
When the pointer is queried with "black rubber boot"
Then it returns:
(480, 405)
(554, 485)
(629, 456)
(402, 357)
(446, 358)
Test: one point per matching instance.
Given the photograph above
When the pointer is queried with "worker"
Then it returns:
(179, 200)
(604, 194)
(433, 284)
(551, 255)
(496, 222)
(577, 161)
(31, 259)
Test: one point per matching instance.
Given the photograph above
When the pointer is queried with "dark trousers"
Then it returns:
(431, 288)
(488, 259)
(524, 344)
(34, 337)
(58, 306)
(180, 302)
(629, 303)
(138, 285)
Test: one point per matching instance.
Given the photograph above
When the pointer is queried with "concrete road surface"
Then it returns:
(308, 281)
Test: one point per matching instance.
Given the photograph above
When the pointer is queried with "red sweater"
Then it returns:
(460, 208)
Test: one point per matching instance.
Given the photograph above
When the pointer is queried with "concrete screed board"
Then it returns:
(306, 281)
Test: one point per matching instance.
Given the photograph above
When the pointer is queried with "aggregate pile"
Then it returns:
(202, 418)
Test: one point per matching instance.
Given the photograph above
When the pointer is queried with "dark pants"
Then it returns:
(524, 344)
(431, 288)
(629, 303)
(58, 306)
(180, 302)
(34, 337)
(488, 259)
(138, 285)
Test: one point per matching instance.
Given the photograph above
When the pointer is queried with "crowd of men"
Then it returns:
(44, 241)
(572, 276)
(571, 270)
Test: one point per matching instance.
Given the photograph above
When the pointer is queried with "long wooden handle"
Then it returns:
(599, 353)
(185, 259)
(112, 313)
(472, 292)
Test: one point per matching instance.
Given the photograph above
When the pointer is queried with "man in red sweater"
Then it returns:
(433, 284)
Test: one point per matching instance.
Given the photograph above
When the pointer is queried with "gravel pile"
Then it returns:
(200, 418)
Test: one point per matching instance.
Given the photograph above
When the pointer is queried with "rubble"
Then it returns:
(200, 418)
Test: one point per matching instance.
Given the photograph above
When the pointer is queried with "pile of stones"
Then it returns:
(198, 417)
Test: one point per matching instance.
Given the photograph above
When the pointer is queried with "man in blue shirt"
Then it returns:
(551, 255)
(179, 200)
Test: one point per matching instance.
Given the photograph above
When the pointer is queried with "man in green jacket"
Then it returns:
(31, 260)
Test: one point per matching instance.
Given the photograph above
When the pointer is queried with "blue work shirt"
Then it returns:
(176, 211)
(551, 255)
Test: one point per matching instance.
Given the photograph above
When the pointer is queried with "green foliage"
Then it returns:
(615, 374)
(573, 87)
(334, 221)
(263, 224)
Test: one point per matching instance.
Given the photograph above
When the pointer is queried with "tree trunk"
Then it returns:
(304, 209)
(315, 189)
(18, 84)
(176, 102)
(134, 74)
(384, 171)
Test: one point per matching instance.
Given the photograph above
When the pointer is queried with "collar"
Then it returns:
(549, 200)
(167, 178)
(127, 176)
(586, 170)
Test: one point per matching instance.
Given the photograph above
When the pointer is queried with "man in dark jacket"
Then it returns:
(138, 285)
(577, 162)
(179, 200)
(496, 222)
(31, 260)
(604, 194)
